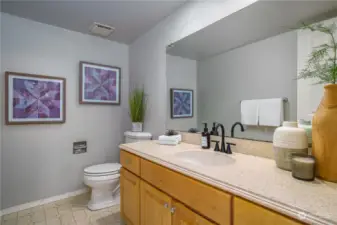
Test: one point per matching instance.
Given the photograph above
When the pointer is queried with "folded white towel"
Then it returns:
(168, 142)
(249, 112)
(271, 112)
(170, 138)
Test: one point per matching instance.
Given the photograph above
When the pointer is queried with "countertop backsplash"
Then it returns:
(244, 146)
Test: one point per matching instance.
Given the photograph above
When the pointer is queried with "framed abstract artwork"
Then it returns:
(99, 84)
(181, 103)
(34, 99)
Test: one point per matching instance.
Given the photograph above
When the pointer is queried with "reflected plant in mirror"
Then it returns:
(193, 130)
(171, 133)
(322, 62)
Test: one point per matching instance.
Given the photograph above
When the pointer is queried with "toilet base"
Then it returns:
(103, 199)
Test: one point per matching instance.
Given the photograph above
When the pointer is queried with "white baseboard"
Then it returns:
(42, 201)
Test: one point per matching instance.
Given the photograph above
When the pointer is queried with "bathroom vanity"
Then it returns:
(185, 185)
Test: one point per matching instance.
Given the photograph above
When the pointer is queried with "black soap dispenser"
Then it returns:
(214, 131)
(205, 138)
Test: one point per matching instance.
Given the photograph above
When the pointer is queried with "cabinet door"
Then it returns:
(155, 206)
(202, 198)
(247, 213)
(130, 197)
(185, 216)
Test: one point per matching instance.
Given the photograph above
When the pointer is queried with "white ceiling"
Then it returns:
(131, 18)
(256, 22)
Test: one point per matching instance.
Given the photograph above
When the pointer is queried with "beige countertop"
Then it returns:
(254, 178)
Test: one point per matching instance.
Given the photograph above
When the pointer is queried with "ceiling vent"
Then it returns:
(101, 29)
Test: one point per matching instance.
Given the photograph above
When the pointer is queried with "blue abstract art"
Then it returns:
(181, 103)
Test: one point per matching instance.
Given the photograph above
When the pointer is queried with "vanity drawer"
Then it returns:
(130, 162)
(245, 212)
(204, 199)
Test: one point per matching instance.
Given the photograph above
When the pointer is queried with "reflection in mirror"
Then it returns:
(249, 55)
(181, 74)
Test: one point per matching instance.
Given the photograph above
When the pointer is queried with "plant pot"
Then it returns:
(324, 135)
(137, 127)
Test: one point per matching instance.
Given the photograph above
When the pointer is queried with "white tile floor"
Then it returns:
(71, 211)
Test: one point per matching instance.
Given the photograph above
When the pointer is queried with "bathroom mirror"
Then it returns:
(251, 54)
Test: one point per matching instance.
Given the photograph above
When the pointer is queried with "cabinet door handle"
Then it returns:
(166, 205)
(173, 209)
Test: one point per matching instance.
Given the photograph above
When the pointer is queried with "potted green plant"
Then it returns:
(137, 104)
(322, 66)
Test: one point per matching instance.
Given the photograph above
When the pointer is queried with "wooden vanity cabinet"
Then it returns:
(155, 195)
(246, 213)
(155, 206)
(184, 216)
(130, 197)
(208, 201)
(130, 162)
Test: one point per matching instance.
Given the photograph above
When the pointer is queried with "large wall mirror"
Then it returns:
(255, 53)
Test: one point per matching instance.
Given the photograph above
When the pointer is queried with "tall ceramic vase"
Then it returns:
(324, 135)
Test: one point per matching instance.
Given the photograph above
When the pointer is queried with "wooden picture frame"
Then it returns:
(99, 84)
(34, 99)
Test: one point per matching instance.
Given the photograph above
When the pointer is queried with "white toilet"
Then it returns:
(103, 179)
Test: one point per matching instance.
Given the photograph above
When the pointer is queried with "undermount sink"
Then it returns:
(206, 158)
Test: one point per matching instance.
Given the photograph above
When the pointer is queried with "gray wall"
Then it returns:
(265, 69)
(37, 160)
(181, 73)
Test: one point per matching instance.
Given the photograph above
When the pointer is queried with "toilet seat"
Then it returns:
(106, 169)
(100, 174)
(105, 178)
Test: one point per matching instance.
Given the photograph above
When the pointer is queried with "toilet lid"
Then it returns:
(106, 168)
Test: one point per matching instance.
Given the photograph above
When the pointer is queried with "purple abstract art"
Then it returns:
(100, 84)
(34, 99)
(181, 103)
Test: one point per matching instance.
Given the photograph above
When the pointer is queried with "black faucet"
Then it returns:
(222, 148)
(233, 127)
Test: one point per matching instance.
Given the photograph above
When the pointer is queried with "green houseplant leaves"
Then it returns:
(322, 62)
(137, 104)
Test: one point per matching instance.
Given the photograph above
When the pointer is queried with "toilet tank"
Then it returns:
(131, 137)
